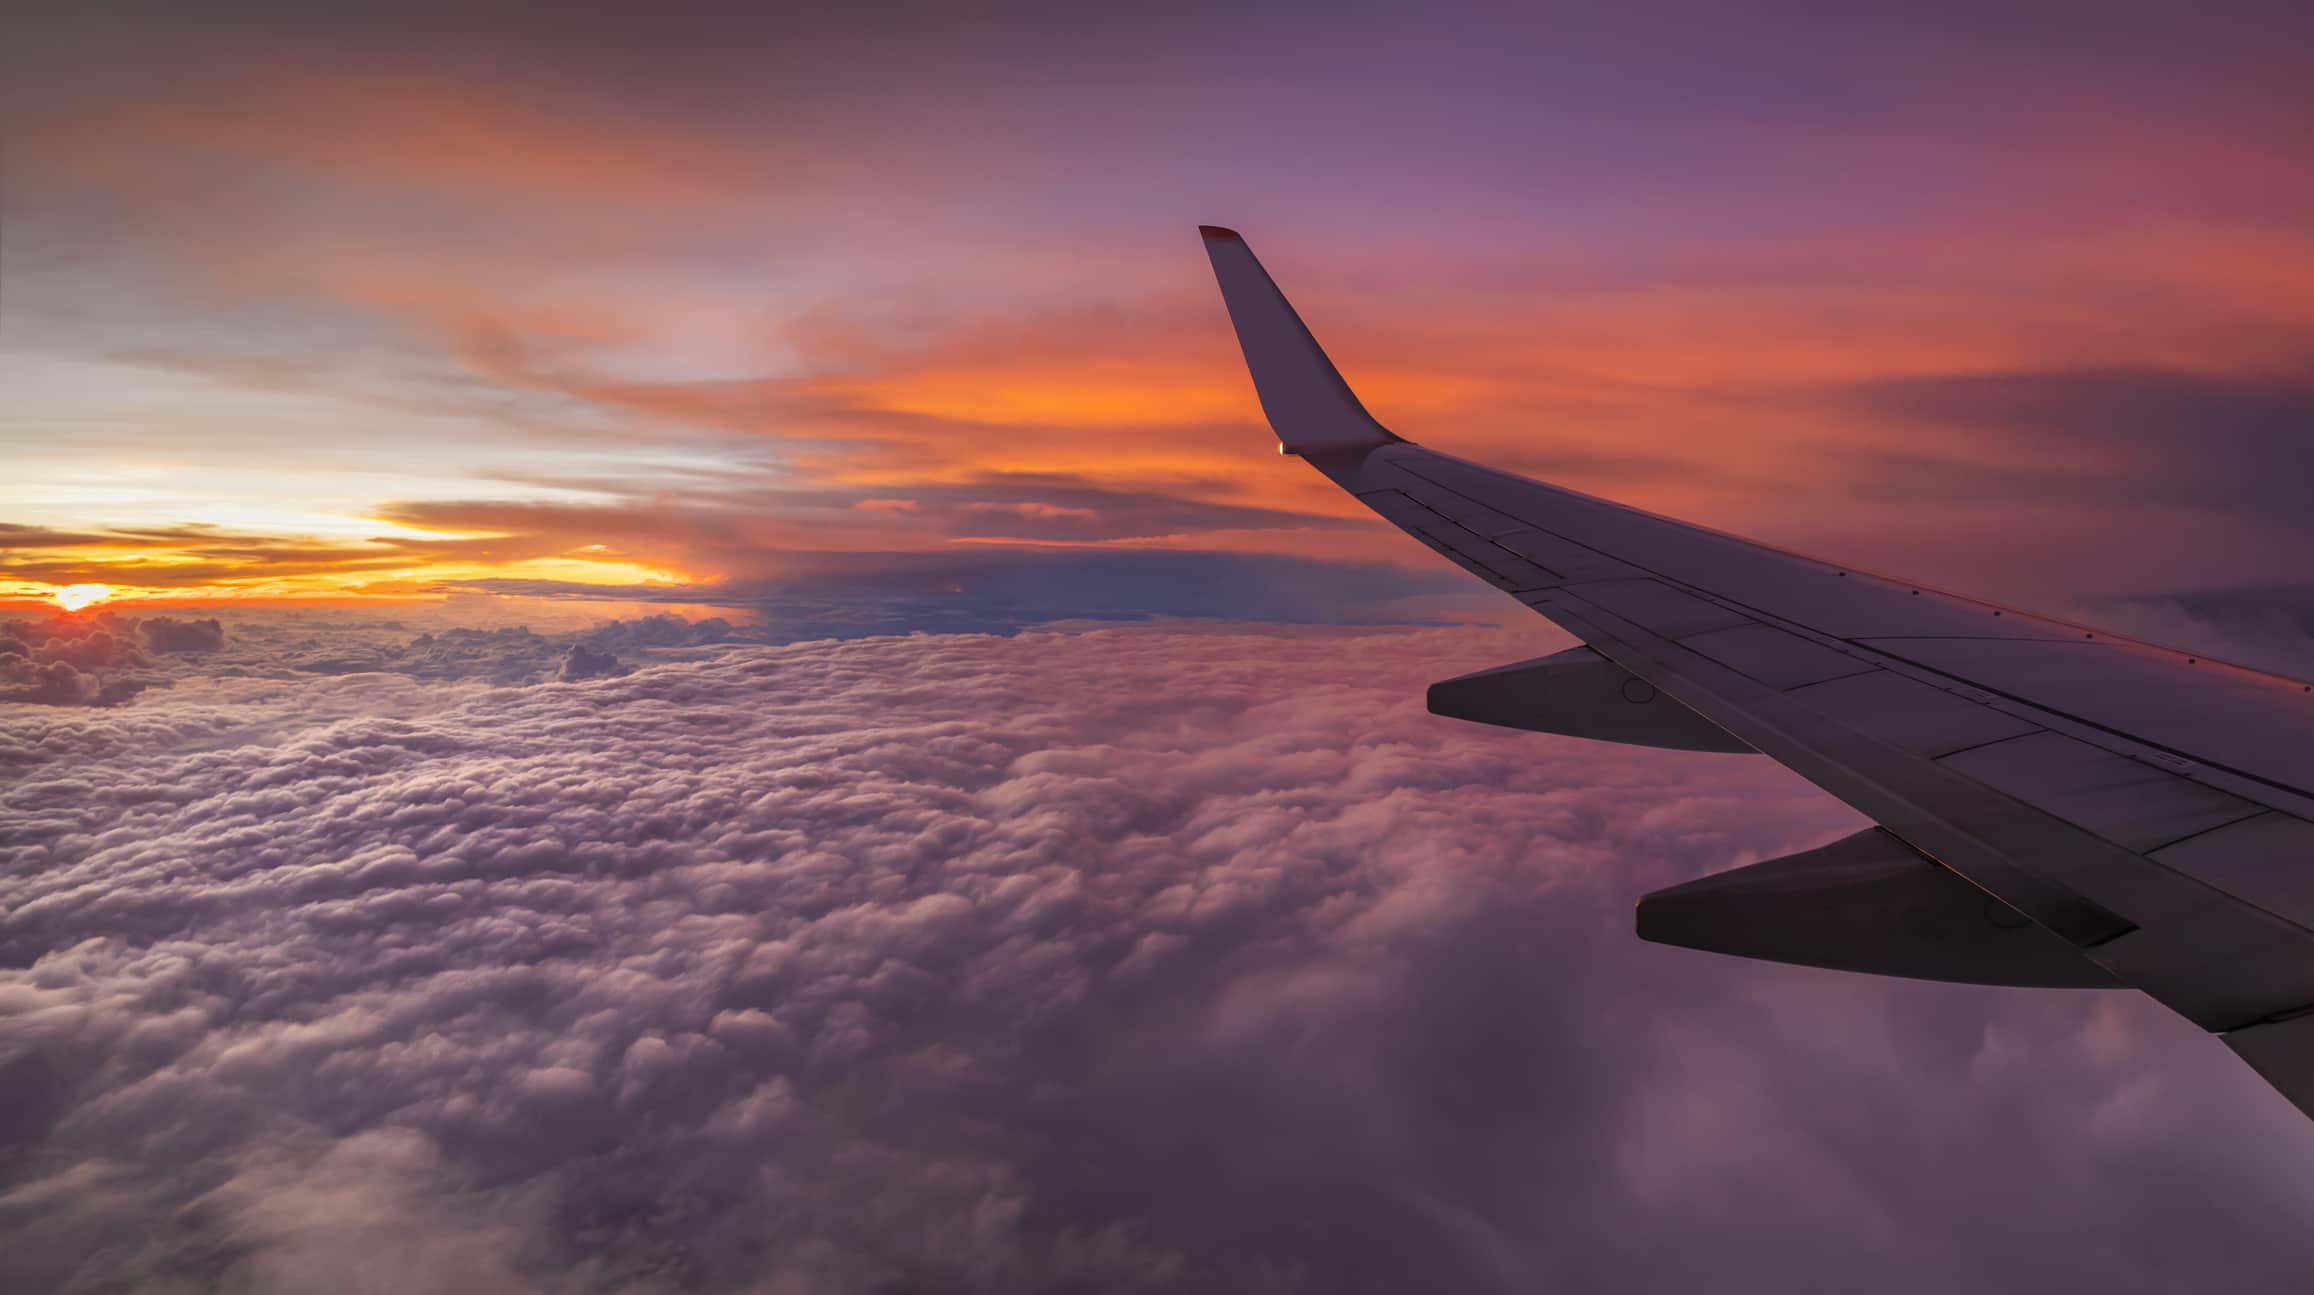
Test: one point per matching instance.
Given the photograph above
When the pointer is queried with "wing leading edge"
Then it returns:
(2057, 805)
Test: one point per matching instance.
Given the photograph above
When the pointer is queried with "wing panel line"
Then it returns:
(2107, 729)
(2166, 960)
(1863, 643)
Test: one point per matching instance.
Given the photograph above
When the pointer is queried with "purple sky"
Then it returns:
(723, 304)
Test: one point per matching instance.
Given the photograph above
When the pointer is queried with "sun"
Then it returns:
(74, 597)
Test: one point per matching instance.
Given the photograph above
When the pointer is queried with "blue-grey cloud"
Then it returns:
(2123, 435)
(999, 589)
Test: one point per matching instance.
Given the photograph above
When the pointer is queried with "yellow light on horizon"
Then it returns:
(74, 597)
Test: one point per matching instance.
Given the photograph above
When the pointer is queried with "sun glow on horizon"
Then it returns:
(74, 597)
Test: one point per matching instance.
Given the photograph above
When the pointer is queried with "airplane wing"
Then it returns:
(2056, 805)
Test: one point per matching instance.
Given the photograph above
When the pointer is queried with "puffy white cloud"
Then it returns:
(1116, 960)
(95, 659)
(63, 661)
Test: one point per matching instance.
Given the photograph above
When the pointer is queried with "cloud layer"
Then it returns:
(1112, 960)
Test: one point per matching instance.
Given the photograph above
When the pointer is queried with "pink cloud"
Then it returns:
(1127, 959)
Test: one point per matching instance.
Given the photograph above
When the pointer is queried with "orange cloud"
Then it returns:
(536, 255)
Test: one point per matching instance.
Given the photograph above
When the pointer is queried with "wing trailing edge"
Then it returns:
(2282, 1052)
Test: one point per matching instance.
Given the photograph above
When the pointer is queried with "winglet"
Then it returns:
(1309, 406)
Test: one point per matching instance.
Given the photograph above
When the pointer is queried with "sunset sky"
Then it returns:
(300, 303)
(694, 671)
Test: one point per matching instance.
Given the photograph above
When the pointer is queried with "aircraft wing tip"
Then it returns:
(1221, 232)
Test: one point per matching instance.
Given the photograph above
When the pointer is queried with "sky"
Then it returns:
(696, 672)
(906, 301)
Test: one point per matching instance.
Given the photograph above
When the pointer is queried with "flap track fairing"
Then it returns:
(1578, 693)
(1868, 903)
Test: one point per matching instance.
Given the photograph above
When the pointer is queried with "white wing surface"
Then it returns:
(2057, 805)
